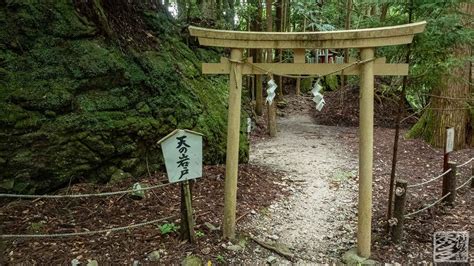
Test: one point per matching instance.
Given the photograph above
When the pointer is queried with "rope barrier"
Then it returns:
(441, 175)
(416, 113)
(429, 206)
(431, 180)
(470, 160)
(439, 200)
(269, 71)
(311, 76)
(104, 194)
(450, 109)
(465, 183)
(89, 232)
(448, 97)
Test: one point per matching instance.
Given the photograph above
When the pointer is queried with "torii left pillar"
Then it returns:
(233, 136)
(366, 155)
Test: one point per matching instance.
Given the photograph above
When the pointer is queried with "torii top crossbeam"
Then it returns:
(366, 40)
(361, 38)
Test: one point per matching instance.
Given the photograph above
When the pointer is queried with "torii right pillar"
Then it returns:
(366, 140)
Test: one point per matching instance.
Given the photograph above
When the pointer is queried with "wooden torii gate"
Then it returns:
(364, 39)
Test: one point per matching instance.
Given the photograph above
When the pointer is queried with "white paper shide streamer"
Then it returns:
(318, 97)
(271, 91)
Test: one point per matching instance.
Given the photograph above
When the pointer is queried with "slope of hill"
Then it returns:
(88, 87)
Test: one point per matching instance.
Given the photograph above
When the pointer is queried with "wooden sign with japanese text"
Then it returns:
(182, 152)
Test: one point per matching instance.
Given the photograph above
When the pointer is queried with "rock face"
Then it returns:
(87, 88)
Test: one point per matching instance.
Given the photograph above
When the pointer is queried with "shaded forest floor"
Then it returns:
(417, 162)
(257, 190)
(259, 187)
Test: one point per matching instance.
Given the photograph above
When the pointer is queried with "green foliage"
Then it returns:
(432, 51)
(220, 259)
(315, 17)
(246, 13)
(200, 233)
(36, 228)
(342, 176)
(168, 228)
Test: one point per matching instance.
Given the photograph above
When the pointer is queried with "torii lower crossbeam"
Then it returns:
(250, 68)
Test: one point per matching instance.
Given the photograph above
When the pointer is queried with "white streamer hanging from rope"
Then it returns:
(271, 91)
(318, 97)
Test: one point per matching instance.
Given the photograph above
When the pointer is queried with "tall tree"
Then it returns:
(218, 9)
(451, 100)
(347, 25)
(230, 12)
(279, 52)
(384, 11)
(207, 8)
(182, 9)
(257, 55)
(271, 111)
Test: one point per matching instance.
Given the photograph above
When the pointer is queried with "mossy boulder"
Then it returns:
(81, 100)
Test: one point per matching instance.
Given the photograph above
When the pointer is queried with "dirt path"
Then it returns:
(318, 221)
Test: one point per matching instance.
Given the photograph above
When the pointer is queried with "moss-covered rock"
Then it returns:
(78, 102)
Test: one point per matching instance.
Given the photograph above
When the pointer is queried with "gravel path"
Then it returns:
(318, 221)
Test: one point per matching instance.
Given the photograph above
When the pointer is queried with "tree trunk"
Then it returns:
(347, 25)
(271, 108)
(450, 104)
(230, 12)
(207, 9)
(258, 59)
(182, 10)
(384, 11)
(218, 9)
(279, 52)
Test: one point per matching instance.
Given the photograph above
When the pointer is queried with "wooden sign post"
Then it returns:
(182, 152)
(364, 39)
(449, 180)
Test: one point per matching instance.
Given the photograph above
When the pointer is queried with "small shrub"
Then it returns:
(200, 234)
(168, 228)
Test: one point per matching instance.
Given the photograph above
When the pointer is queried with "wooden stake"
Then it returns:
(233, 136)
(449, 184)
(366, 130)
(259, 96)
(187, 221)
(272, 127)
(298, 87)
(399, 210)
(189, 212)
